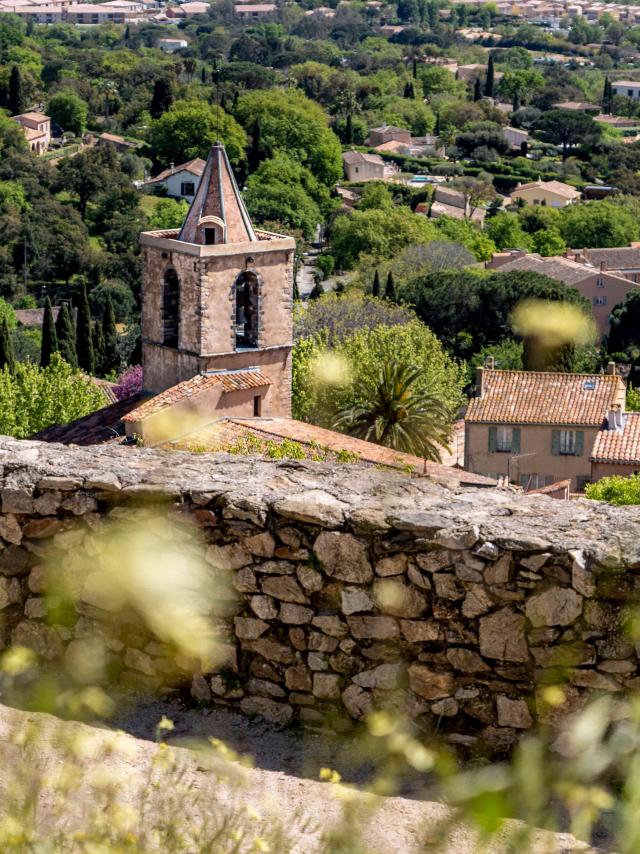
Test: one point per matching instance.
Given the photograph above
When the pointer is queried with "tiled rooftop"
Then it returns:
(529, 397)
(619, 446)
(104, 425)
(226, 432)
(231, 381)
(617, 258)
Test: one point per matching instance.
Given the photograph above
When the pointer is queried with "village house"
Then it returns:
(37, 130)
(119, 142)
(616, 450)
(450, 202)
(555, 194)
(93, 14)
(621, 260)
(172, 45)
(626, 88)
(255, 11)
(539, 428)
(363, 167)
(388, 133)
(603, 289)
(515, 137)
(180, 182)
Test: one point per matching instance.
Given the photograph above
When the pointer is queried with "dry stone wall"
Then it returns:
(348, 589)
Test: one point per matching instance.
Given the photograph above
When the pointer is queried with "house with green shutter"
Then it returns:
(537, 428)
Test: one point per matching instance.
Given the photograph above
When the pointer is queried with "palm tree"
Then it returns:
(398, 412)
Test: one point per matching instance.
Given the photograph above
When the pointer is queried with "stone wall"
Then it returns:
(354, 588)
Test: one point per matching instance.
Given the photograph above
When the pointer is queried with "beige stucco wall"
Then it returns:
(534, 457)
(364, 171)
(541, 195)
(614, 288)
(599, 470)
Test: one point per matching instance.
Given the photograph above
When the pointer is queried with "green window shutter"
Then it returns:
(493, 439)
(579, 444)
(515, 440)
(555, 442)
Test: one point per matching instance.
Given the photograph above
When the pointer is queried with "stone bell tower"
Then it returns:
(217, 300)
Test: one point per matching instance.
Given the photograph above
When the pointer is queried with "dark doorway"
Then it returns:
(247, 288)
(170, 308)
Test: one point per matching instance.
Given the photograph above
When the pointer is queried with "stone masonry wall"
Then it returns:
(354, 588)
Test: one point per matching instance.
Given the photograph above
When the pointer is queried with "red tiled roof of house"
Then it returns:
(98, 427)
(226, 432)
(106, 387)
(230, 381)
(530, 397)
(619, 446)
(194, 167)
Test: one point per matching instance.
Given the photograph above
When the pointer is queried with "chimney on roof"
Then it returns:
(172, 166)
(610, 369)
(616, 418)
(603, 266)
(489, 363)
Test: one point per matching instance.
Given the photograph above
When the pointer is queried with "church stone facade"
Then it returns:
(218, 296)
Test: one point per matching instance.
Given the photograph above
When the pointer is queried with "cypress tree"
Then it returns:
(348, 130)
(98, 348)
(111, 356)
(317, 291)
(223, 102)
(49, 337)
(407, 90)
(375, 290)
(84, 340)
(490, 82)
(7, 357)
(516, 101)
(203, 74)
(17, 99)
(477, 90)
(127, 33)
(390, 288)
(414, 70)
(236, 95)
(66, 336)
(162, 97)
(254, 155)
(436, 130)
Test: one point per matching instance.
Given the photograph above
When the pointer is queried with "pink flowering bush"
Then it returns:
(129, 382)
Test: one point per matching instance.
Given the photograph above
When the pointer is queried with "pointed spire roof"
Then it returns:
(217, 213)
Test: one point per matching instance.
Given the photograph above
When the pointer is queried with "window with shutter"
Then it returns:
(504, 439)
(515, 440)
(579, 443)
(567, 442)
(555, 442)
(493, 439)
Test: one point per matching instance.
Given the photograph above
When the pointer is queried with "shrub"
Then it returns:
(616, 490)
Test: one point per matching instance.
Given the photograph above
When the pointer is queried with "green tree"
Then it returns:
(97, 336)
(7, 357)
(490, 81)
(17, 95)
(33, 398)
(189, 128)
(390, 288)
(549, 242)
(397, 411)
(255, 155)
(84, 338)
(600, 224)
(49, 337)
(520, 84)
(110, 334)
(505, 229)
(335, 317)
(375, 289)
(69, 110)
(66, 336)
(615, 490)
(162, 97)
(624, 332)
(477, 90)
(567, 128)
(168, 213)
(292, 124)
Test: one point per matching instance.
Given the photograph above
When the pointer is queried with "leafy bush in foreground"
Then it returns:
(616, 489)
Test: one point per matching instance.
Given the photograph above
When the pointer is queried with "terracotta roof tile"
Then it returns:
(194, 167)
(558, 187)
(529, 397)
(617, 258)
(101, 426)
(230, 381)
(619, 446)
(226, 432)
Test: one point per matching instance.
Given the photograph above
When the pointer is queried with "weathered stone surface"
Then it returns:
(466, 660)
(35, 608)
(262, 545)
(344, 557)
(500, 571)
(429, 683)
(276, 567)
(79, 504)
(557, 606)
(435, 560)
(447, 586)
(458, 539)
(264, 607)
(355, 599)
(333, 626)
(10, 530)
(394, 597)
(249, 629)
(357, 701)
(270, 710)
(310, 578)
(582, 578)
(326, 686)
(138, 660)
(385, 676)
(420, 631)
(232, 556)
(317, 661)
(245, 581)
(513, 713)
(39, 529)
(395, 565)
(319, 642)
(40, 638)
(47, 504)
(286, 589)
(379, 628)
(17, 501)
(595, 681)
(476, 602)
(446, 708)
(272, 650)
(295, 614)
(298, 678)
(313, 505)
(14, 560)
(264, 688)
(502, 636)
(10, 592)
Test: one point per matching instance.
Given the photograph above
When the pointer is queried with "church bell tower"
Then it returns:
(217, 299)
